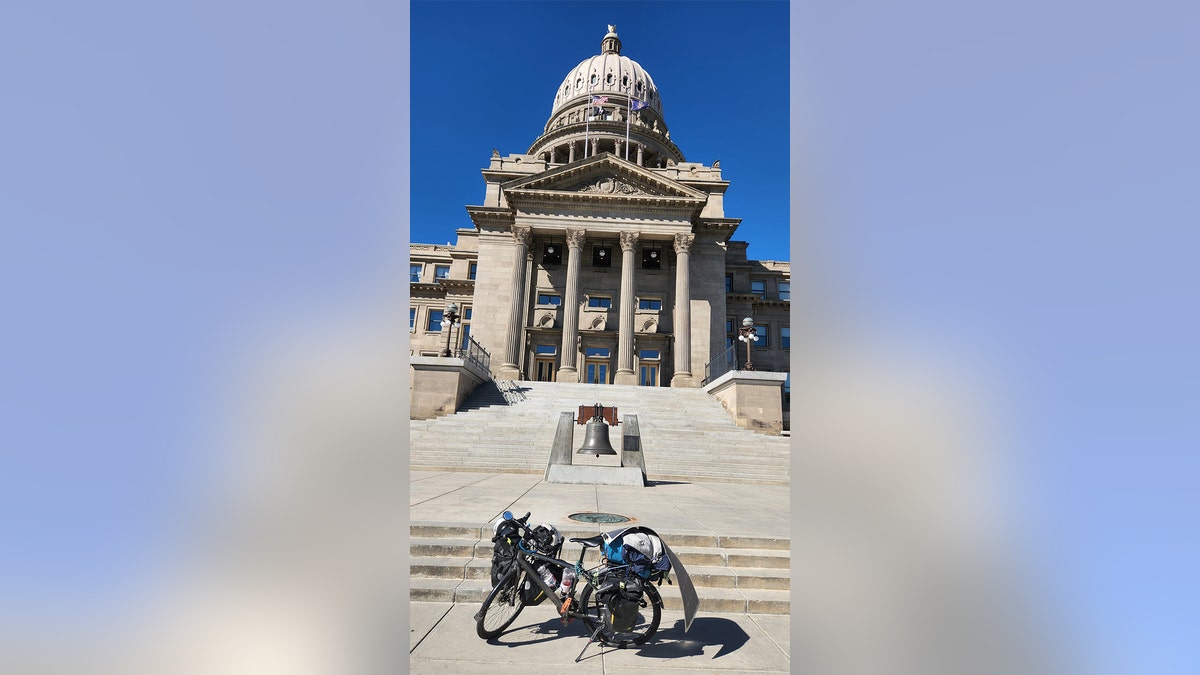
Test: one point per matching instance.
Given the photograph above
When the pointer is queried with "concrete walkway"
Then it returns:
(443, 638)
(722, 509)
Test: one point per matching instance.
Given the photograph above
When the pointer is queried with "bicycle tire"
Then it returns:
(592, 613)
(501, 607)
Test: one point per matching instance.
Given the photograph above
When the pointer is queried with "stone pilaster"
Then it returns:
(567, 370)
(516, 317)
(683, 312)
(625, 374)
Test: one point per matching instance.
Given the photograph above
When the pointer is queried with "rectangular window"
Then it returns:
(651, 259)
(785, 290)
(414, 273)
(764, 334)
(728, 283)
(785, 337)
(601, 256)
(441, 271)
(552, 253)
(472, 269)
(434, 323)
(601, 303)
(549, 299)
(412, 318)
(547, 350)
(728, 325)
(597, 352)
(649, 303)
(467, 314)
(758, 287)
(466, 336)
(648, 354)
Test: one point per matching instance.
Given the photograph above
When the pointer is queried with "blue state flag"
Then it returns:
(635, 104)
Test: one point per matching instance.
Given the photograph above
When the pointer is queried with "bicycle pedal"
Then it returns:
(565, 611)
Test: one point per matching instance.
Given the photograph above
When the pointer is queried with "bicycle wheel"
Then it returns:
(501, 606)
(592, 611)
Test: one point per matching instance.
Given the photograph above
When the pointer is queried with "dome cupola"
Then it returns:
(580, 126)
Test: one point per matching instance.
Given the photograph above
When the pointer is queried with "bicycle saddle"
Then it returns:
(589, 541)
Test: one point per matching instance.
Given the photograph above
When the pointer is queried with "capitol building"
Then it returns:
(600, 254)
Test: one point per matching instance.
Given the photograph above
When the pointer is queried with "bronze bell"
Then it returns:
(596, 441)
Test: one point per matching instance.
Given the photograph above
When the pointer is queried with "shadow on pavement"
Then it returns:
(551, 629)
(673, 643)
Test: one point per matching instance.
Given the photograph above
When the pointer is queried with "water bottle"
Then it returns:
(567, 580)
(547, 575)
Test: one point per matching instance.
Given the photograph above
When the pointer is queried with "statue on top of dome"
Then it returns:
(612, 28)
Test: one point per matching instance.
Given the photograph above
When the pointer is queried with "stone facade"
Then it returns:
(593, 260)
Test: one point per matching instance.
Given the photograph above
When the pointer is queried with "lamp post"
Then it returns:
(749, 335)
(448, 321)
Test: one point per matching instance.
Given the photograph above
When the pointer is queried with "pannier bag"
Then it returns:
(504, 548)
(639, 548)
(545, 539)
(620, 597)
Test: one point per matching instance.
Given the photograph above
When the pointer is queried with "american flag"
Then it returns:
(599, 100)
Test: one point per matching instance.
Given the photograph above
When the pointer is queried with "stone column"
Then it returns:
(683, 313)
(516, 317)
(625, 374)
(567, 371)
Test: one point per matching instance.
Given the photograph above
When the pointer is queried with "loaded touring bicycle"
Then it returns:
(619, 605)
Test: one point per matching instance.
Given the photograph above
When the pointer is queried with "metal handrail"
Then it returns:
(725, 362)
(475, 353)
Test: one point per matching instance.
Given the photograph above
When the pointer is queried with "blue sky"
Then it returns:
(1015, 180)
(721, 71)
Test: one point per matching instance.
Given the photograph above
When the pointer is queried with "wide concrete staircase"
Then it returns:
(731, 574)
(685, 433)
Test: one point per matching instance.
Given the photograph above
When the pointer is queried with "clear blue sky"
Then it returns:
(1017, 179)
(721, 71)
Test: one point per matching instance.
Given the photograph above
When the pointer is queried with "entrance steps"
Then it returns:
(685, 433)
(745, 575)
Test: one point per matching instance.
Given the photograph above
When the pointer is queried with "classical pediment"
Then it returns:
(603, 177)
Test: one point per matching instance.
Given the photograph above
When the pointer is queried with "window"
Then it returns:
(549, 299)
(433, 324)
(597, 352)
(785, 337)
(467, 314)
(441, 272)
(651, 259)
(758, 287)
(601, 303)
(412, 318)
(552, 253)
(472, 269)
(648, 354)
(728, 283)
(764, 336)
(728, 325)
(785, 290)
(728, 341)
(414, 273)
(466, 336)
(650, 303)
(601, 256)
(549, 350)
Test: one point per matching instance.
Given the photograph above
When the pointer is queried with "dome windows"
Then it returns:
(593, 81)
(624, 81)
(608, 79)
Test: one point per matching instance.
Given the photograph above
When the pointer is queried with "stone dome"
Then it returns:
(608, 73)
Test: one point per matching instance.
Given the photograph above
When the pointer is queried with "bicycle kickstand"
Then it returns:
(589, 642)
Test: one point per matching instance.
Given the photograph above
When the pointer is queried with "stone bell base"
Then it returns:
(577, 474)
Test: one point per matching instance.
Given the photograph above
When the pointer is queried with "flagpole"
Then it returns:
(628, 115)
(587, 121)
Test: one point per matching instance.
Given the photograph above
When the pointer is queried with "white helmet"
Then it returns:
(547, 537)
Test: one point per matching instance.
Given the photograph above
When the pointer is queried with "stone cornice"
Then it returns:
(604, 165)
(490, 217)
